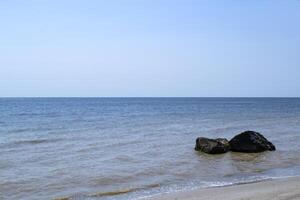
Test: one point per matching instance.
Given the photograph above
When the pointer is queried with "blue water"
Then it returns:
(92, 148)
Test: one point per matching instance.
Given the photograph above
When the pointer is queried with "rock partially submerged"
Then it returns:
(250, 142)
(212, 146)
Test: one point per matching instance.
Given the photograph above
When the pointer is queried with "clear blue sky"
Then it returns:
(150, 48)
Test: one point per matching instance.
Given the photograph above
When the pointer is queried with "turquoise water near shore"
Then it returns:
(131, 148)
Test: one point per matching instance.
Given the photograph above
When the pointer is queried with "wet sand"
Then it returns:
(278, 189)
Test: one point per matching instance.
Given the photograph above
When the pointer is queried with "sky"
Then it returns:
(150, 48)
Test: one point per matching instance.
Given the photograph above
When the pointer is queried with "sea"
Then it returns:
(136, 148)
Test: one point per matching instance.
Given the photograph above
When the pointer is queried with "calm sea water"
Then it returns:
(132, 148)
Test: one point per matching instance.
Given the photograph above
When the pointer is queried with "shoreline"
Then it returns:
(281, 189)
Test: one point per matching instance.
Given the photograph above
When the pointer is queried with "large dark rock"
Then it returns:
(250, 142)
(212, 146)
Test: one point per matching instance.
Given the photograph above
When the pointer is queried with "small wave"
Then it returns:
(204, 185)
(32, 142)
(123, 191)
(124, 158)
(21, 130)
(25, 114)
(226, 184)
(63, 198)
(39, 141)
(41, 114)
(112, 179)
(121, 144)
(112, 193)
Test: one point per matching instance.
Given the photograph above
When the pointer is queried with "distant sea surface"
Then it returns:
(132, 148)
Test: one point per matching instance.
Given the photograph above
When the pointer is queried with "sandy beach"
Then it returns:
(278, 189)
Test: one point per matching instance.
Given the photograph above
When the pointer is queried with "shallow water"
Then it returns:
(130, 148)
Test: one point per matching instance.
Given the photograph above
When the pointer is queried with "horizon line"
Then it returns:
(150, 97)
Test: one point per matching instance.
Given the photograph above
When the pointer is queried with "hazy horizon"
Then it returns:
(132, 97)
(165, 48)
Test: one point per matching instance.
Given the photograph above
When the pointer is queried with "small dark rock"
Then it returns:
(250, 142)
(212, 146)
